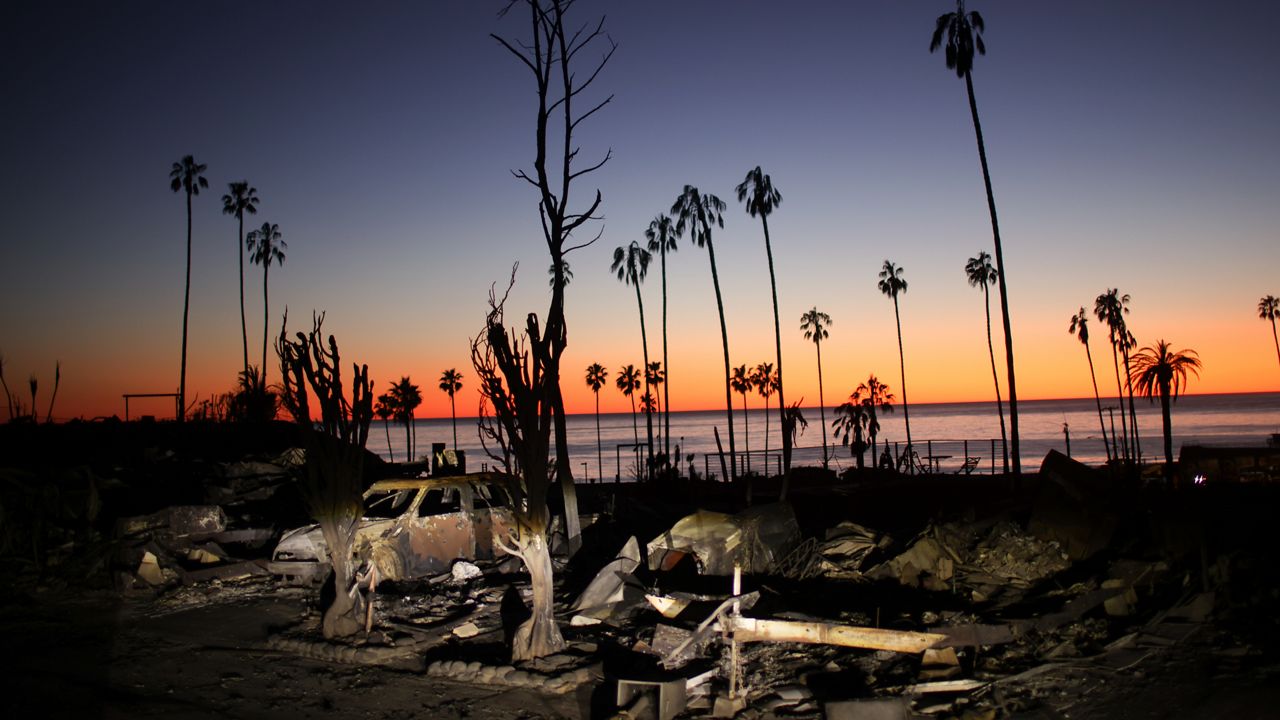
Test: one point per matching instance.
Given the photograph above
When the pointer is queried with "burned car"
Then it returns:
(411, 528)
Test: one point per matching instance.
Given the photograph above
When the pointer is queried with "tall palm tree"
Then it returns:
(628, 381)
(961, 41)
(762, 198)
(186, 176)
(1269, 309)
(385, 409)
(596, 377)
(1080, 328)
(266, 245)
(661, 235)
(814, 324)
(875, 396)
(892, 285)
(656, 378)
(766, 381)
(241, 199)
(631, 264)
(407, 399)
(741, 382)
(1110, 307)
(451, 383)
(1160, 370)
(697, 212)
(982, 274)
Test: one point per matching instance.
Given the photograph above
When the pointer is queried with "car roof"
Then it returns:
(431, 483)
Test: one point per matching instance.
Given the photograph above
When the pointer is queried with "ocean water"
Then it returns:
(949, 431)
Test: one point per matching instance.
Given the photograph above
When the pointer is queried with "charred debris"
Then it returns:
(872, 595)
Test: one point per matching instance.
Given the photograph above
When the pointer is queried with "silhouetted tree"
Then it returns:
(266, 245)
(656, 378)
(385, 409)
(982, 274)
(451, 383)
(530, 367)
(741, 382)
(8, 396)
(762, 198)
(407, 399)
(333, 482)
(876, 398)
(565, 272)
(697, 212)
(628, 381)
(850, 423)
(1080, 328)
(57, 380)
(1269, 309)
(892, 285)
(33, 384)
(766, 381)
(186, 176)
(961, 41)
(1160, 370)
(661, 235)
(631, 265)
(241, 199)
(1110, 308)
(596, 378)
(814, 324)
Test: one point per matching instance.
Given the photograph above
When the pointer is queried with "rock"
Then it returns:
(149, 569)
(466, 630)
(463, 571)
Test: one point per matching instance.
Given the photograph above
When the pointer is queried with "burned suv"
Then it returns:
(411, 528)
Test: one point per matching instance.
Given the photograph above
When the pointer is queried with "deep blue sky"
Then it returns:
(1131, 145)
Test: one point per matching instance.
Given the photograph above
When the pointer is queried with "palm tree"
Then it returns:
(1269, 309)
(186, 175)
(596, 377)
(241, 199)
(875, 396)
(851, 421)
(266, 246)
(661, 235)
(981, 274)
(1080, 328)
(628, 381)
(961, 42)
(766, 381)
(762, 198)
(892, 285)
(407, 399)
(1110, 307)
(451, 383)
(385, 409)
(1159, 370)
(741, 382)
(698, 212)
(565, 272)
(656, 378)
(814, 324)
(631, 264)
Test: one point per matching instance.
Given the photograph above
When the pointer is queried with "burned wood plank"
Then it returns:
(818, 633)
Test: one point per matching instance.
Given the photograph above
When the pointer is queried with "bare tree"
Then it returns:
(335, 448)
(520, 371)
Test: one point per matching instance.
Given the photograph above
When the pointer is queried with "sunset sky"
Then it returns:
(1132, 145)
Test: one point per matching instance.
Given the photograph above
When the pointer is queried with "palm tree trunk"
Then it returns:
(386, 429)
(728, 389)
(635, 432)
(822, 404)
(1168, 428)
(648, 415)
(453, 413)
(1004, 291)
(777, 341)
(1133, 415)
(1004, 440)
(666, 387)
(902, 371)
(1275, 338)
(599, 447)
(766, 435)
(186, 310)
(1098, 400)
(266, 314)
(244, 330)
(746, 432)
(1124, 427)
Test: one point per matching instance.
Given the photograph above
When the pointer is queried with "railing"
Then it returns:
(963, 456)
